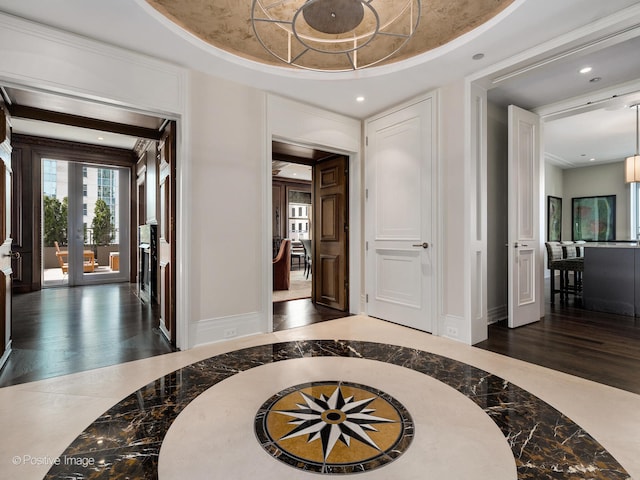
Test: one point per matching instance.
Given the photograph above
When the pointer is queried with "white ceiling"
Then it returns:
(294, 171)
(76, 134)
(524, 26)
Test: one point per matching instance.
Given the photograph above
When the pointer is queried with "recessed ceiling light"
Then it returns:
(100, 138)
(360, 99)
(585, 70)
(592, 159)
(478, 56)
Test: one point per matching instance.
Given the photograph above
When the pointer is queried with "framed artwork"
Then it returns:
(594, 218)
(554, 219)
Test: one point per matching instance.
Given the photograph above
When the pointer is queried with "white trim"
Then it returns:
(497, 314)
(183, 225)
(475, 225)
(5, 355)
(599, 29)
(214, 330)
(453, 327)
(590, 101)
(20, 42)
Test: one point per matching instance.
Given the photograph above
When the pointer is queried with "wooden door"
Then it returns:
(399, 216)
(5, 234)
(525, 292)
(166, 247)
(330, 233)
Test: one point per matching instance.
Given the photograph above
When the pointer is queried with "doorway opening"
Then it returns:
(292, 219)
(309, 235)
(107, 156)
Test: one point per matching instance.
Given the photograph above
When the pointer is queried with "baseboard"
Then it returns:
(6, 354)
(165, 332)
(496, 314)
(221, 329)
(452, 327)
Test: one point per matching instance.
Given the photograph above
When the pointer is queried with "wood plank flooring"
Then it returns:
(298, 313)
(58, 331)
(66, 330)
(597, 346)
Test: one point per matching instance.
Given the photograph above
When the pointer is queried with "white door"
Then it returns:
(399, 215)
(525, 289)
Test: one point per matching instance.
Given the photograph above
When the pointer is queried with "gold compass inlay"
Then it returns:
(334, 427)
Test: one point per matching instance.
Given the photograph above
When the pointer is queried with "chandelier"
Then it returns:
(334, 35)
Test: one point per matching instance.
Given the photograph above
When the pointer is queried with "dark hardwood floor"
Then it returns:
(298, 313)
(58, 331)
(66, 330)
(597, 346)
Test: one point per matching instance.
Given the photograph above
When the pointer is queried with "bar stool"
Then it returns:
(556, 261)
(575, 264)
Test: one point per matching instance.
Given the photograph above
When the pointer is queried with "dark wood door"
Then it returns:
(5, 233)
(331, 233)
(167, 232)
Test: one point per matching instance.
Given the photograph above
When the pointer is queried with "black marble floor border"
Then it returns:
(125, 441)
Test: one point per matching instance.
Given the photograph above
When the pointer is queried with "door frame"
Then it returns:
(356, 298)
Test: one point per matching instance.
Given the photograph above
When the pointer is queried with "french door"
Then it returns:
(525, 287)
(89, 228)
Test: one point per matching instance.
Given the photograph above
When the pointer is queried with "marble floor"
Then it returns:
(349, 395)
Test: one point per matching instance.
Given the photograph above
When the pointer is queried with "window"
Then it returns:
(49, 178)
(84, 209)
(84, 189)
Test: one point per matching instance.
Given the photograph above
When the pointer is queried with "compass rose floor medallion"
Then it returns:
(334, 427)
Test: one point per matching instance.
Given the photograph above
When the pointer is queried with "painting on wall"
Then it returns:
(594, 218)
(554, 219)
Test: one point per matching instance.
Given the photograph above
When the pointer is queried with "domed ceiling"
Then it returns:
(328, 35)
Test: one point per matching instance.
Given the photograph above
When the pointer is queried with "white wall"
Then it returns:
(553, 185)
(226, 236)
(497, 217)
(553, 178)
(452, 168)
(607, 179)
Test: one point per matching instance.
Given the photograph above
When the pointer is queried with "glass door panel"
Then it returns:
(94, 242)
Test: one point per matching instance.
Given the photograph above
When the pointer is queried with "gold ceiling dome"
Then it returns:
(328, 35)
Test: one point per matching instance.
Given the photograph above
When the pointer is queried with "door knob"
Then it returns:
(13, 255)
(423, 245)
